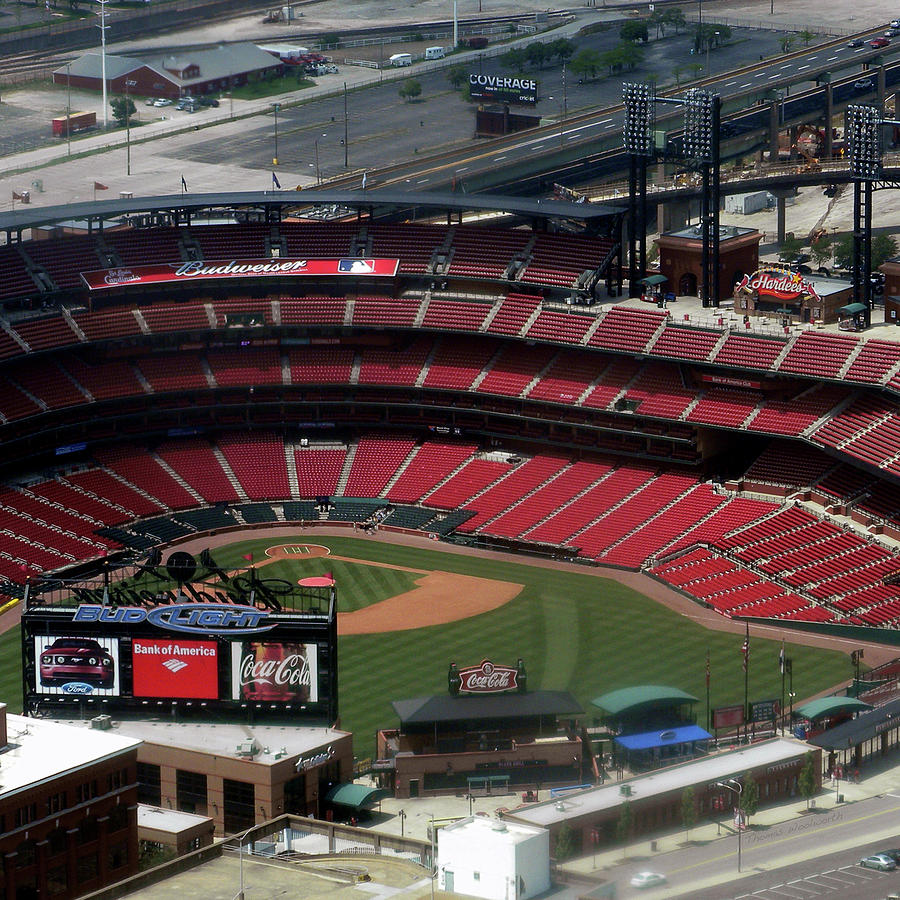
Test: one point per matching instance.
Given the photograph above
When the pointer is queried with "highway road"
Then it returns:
(813, 856)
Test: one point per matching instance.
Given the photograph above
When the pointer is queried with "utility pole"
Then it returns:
(103, 60)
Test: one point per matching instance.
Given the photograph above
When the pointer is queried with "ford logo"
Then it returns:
(77, 687)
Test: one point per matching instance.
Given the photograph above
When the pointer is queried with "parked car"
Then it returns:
(863, 84)
(76, 659)
(208, 101)
(894, 23)
(880, 861)
(856, 42)
(880, 42)
(162, 101)
(185, 101)
(647, 879)
(893, 854)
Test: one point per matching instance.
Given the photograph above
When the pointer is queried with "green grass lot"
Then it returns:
(575, 632)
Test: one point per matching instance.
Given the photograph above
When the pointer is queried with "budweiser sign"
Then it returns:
(486, 678)
(784, 285)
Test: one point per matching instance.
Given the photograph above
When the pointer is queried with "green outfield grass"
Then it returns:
(575, 632)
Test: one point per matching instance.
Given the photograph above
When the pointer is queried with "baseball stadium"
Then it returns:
(484, 451)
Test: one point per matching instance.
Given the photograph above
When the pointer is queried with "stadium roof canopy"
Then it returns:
(356, 796)
(630, 699)
(652, 739)
(831, 706)
(446, 708)
(863, 728)
(274, 203)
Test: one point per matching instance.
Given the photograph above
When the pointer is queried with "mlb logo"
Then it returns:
(356, 266)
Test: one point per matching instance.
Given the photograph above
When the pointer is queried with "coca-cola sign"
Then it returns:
(271, 672)
(780, 283)
(488, 678)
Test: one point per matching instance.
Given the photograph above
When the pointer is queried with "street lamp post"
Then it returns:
(128, 84)
(275, 157)
(433, 860)
(241, 836)
(736, 788)
(855, 657)
(402, 815)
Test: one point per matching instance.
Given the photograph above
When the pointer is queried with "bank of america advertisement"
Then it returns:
(274, 672)
(175, 668)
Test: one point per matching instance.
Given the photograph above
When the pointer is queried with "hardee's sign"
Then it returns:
(780, 283)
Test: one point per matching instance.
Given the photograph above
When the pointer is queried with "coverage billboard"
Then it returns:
(502, 88)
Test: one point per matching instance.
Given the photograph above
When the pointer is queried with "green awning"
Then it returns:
(852, 309)
(653, 279)
(832, 706)
(356, 796)
(627, 699)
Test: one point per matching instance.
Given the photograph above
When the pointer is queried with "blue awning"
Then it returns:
(650, 739)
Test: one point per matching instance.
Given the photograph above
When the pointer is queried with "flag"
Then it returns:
(364, 181)
(275, 181)
(24, 197)
(707, 668)
(331, 576)
(100, 187)
(781, 659)
(183, 183)
(745, 648)
(248, 557)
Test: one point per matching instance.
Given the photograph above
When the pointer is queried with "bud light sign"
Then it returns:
(192, 618)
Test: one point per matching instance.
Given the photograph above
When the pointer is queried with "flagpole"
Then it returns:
(746, 677)
(781, 666)
(708, 709)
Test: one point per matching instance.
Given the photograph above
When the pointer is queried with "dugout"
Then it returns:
(873, 734)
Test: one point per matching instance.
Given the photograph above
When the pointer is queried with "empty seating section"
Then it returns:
(685, 343)
(795, 415)
(140, 468)
(173, 372)
(515, 310)
(46, 381)
(107, 323)
(65, 258)
(517, 484)
(321, 239)
(748, 352)
(41, 334)
(727, 407)
(823, 355)
(104, 486)
(623, 328)
(474, 476)
(14, 402)
(182, 317)
(619, 371)
(14, 278)
(456, 363)
(144, 246)
(593, 503)
(559, 260)
(484, 252)
(658, 391)
(568, 377)
(413, 246)
(736, 513)
(514, 369)
(432, 463)
(8, 345)
(651, 536)
(633, 512)
(845, 483)
(547, 499)
(247, 366)
(104, 380)
(790, 465)
(242, 311)
(61, 492)
(564, 328)
(258, 462)
(376, 460)
(883, 501)
(227, 242)
(318, 470)
(313, 311)
(874, 361)
(861, 415)
(320, 365)
(194, 461)
(399, 312)
(35, 507)
(455, 315)
(395, 365)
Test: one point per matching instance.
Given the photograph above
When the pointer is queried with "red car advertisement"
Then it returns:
(271, 672)
(175, 668)
(77, 666)
(203, 270)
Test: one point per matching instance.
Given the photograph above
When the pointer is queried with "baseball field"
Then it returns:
(407, 611)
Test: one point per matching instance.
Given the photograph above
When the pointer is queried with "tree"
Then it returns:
(786, 43)
(884, 247)
(515, 58)
(657, 20)
(688, 810)
(562, 49)
(625, 56)
(790, 249)
(806, 37)
(675, 18)
(635, 30)
(624, 825)
(843, 251)
(807, 779)
(458, 75)
(410, 90)
(565, 843)
(536, 54)
(749, 797)
(821, 249)
(586, 63)
(123, 109)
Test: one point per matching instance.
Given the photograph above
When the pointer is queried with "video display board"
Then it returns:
(175, 668)
(274, 672)
(77, 666)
